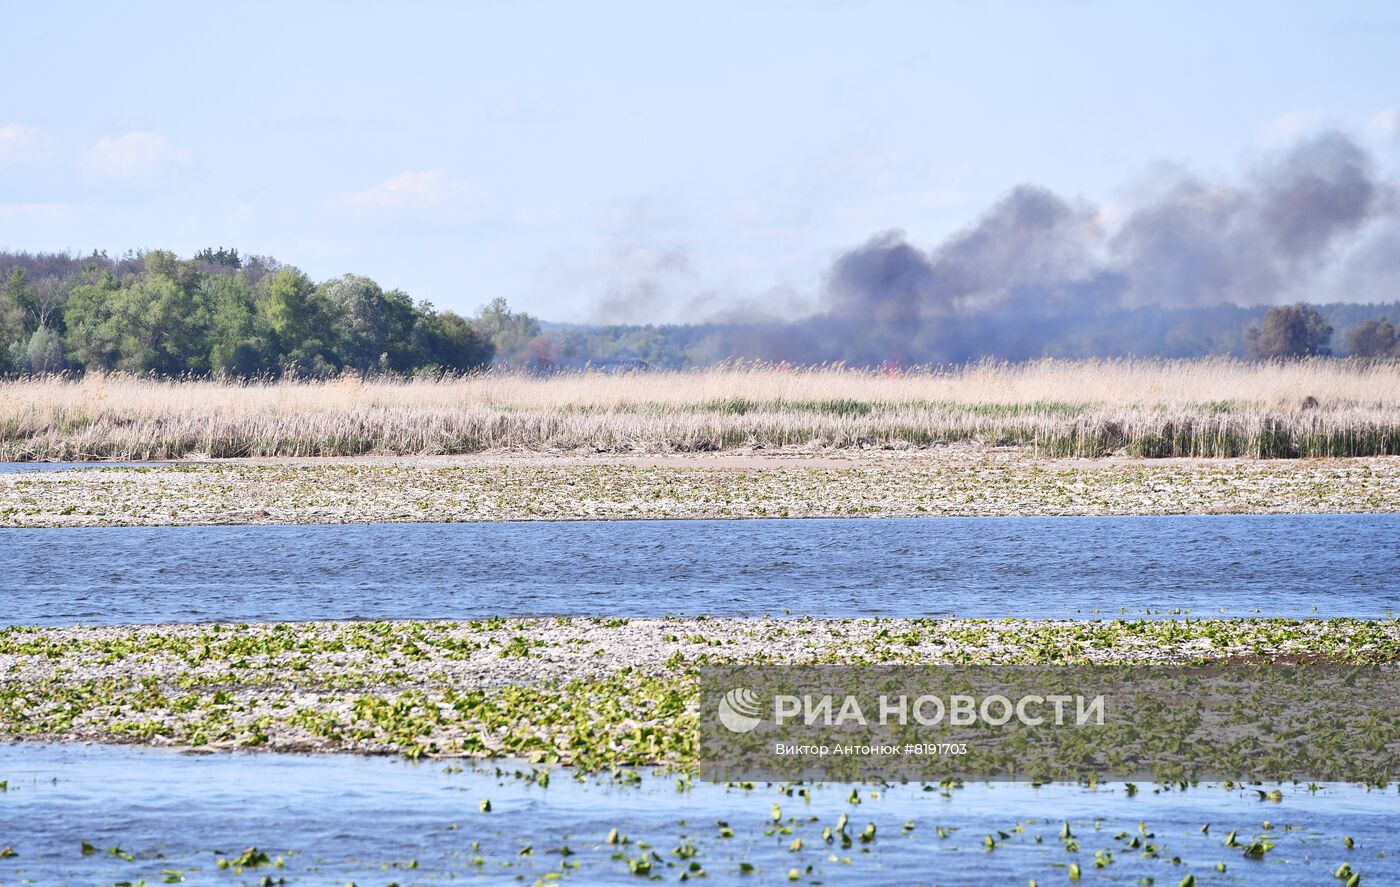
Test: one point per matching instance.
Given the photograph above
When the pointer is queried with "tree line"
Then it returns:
(220, 313)
(1300, 330)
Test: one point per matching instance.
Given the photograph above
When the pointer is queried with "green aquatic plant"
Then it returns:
(381, 686)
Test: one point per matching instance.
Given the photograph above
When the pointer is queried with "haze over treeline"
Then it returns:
(1185, 268)
(1180, 269)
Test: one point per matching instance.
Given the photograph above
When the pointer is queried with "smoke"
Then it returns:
(1036, 264)
(1260, 243)
(1032, 247)
(641, 282)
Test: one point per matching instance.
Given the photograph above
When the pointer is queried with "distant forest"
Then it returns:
(1150, 331)
(222, 313)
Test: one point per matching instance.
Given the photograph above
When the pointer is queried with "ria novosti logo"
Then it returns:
(739, 710)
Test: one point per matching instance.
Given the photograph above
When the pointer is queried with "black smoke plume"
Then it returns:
(1037, 267)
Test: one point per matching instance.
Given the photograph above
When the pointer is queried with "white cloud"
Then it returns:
(19, 144)
(1387, 122)
(429, 190)
(134, 155)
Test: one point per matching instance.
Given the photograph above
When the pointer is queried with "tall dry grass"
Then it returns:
(1212, 407)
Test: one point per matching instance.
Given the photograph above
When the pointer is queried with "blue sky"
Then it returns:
(639, 161)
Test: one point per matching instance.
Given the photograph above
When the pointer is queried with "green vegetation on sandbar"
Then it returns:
(599, 694)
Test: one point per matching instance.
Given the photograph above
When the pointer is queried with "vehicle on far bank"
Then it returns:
(619, 365)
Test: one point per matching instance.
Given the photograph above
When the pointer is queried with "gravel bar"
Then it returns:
(940, 482)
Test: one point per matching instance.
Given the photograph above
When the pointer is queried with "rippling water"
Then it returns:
(1058, 567)
(339, 819)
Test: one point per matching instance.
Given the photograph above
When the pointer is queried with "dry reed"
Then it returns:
(1063, 408)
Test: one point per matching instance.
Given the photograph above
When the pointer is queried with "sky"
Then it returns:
(634, 162)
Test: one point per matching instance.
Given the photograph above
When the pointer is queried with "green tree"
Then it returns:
(46, 298)
(1290, 331)
(373, 328)
(399, 316)
(92, 342)
(1374, 338)
(226, 314)
(239, 341)
(299, 318)
(44, 352)
(153, 325)
(184, 273)
(13, 332)
(227, 258)
(509, 331)
(448, 342)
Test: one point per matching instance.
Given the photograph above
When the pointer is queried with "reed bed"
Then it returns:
(1150, 408)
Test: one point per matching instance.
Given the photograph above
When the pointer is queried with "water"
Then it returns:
(338, 819)
(342, 819)
(1058, 567)
(22, 467)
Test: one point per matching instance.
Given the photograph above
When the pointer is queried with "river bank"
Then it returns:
(1091, 408)
(952, 481)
